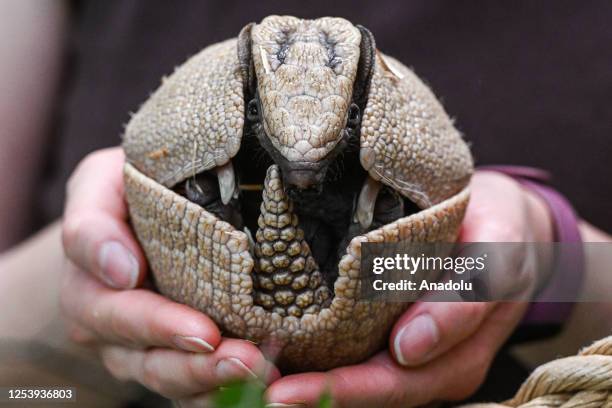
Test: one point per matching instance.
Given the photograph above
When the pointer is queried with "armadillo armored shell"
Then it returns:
(297, 85)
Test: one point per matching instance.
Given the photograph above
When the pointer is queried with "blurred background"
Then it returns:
(528, 82)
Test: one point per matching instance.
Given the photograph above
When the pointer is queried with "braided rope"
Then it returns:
(584, 381)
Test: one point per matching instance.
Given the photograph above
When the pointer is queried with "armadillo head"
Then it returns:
(306, 91)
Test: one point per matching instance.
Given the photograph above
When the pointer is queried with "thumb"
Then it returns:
(95, 232)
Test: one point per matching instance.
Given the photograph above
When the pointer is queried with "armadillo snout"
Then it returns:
(302, 176)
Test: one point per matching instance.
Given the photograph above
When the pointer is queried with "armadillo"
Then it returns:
(256, 170)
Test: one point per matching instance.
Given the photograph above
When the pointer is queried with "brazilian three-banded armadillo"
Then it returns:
(258, 168)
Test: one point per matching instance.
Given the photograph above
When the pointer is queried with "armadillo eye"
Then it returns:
(354, 115)
(253, 111)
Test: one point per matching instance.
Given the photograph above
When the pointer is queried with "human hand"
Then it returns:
(170, 348)
(440, 351)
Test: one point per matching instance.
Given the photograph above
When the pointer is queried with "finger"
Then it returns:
(176, 374)
(95, 233)
(497, 213)
(138, 317)
(429, 329)
(489, 219)
(381, 383)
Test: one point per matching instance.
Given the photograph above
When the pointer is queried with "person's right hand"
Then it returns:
(168, 347)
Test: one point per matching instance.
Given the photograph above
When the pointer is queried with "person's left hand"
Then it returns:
(440, 351)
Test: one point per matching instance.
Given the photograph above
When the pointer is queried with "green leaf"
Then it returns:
(325, 401)
(240, 395)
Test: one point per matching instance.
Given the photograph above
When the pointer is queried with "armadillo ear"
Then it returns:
(245, 60)
(365, 68)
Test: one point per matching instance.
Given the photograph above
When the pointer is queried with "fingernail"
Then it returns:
(415, 340)
(193, 344)
(119, 266)
(233, 369)
(282, 405)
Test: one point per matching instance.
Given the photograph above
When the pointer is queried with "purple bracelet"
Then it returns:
(566, 281)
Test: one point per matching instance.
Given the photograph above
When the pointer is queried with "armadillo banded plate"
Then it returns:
(203, 261)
